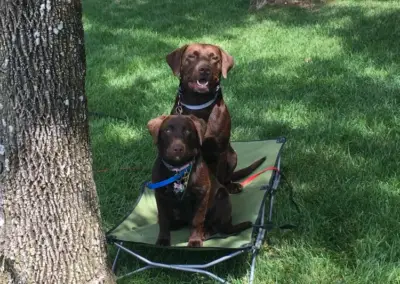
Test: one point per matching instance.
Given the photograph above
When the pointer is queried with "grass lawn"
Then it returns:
(328, 79)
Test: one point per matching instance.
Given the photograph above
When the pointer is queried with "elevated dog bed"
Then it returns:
(140, 226)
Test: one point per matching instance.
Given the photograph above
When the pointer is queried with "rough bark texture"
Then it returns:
(49, 215)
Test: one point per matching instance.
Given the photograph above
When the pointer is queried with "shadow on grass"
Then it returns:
(341, 147)
(369, 31)
(169, 18)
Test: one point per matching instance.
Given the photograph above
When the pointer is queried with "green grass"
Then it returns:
(328, 79)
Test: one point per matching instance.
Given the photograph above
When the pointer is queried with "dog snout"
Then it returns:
(204, 70)
(178, 148)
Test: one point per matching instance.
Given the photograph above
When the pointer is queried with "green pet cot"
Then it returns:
(140, 226)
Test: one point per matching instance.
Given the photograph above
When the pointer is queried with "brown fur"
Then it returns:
(207, 63)
(205, 205)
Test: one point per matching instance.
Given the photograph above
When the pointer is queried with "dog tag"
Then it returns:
(178, 187)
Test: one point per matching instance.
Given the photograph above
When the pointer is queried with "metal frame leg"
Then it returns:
(198, 268)
(257, 245)
(114, 265)
(262, 230)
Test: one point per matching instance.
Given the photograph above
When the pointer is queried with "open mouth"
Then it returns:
(202, 83)
(200, 86)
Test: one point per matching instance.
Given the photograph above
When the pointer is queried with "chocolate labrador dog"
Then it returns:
(200, 67)
(186, 190)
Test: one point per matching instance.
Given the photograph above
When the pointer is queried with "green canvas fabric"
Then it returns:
(141, 225)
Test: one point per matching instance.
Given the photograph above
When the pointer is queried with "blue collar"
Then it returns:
(180, 172)
(202, 106)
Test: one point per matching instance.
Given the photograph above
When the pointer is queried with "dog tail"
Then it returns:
(234, 229)
(239, 174)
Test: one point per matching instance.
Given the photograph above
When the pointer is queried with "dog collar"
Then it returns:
(176, 169)
(179, 173)
(202, 106)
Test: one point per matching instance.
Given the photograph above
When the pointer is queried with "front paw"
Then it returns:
(195, 242)
(163, 242)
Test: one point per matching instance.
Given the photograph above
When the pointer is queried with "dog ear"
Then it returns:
(201, 127)
(227, 63)
(174, 59)
(154, 126)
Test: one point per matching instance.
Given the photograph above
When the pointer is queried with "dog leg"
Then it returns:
(164, 234)
(197, 232)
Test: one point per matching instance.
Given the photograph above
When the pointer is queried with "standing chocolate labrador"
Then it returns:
(186, 191)
(199, 67)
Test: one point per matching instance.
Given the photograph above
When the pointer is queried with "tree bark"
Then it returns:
(50, 228)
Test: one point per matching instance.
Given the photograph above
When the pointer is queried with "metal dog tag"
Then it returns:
(178, 187)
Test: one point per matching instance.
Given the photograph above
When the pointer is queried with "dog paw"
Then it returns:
(195, 243)
(163, 242)
(234, 188)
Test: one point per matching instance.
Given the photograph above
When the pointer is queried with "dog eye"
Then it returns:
(168, 130)
(191, 56)
(187, 131)
(216, 58)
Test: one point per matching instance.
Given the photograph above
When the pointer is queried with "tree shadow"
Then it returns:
(186, 19)
(323, 89)
(369, 31)
(373, 35)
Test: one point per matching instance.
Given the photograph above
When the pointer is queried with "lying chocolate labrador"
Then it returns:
(185, 189)
(199, 67)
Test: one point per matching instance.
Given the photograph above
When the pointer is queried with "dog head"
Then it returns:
(200, 66)
(178, 137)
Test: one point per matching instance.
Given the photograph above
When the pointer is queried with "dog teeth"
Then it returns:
(200, 84)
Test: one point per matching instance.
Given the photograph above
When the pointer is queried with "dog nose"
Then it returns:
(204, 70)
(178, 148)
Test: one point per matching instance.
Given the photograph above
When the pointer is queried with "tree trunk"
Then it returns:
(50, 228)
